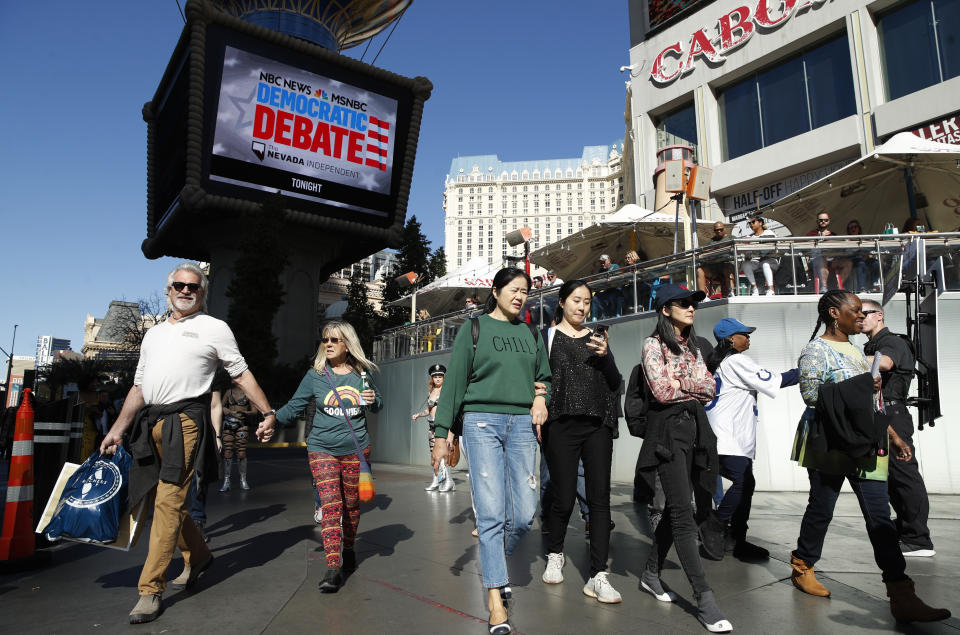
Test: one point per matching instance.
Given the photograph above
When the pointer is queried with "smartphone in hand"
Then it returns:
(601, 331)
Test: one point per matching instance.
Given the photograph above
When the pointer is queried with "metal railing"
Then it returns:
(802, 265)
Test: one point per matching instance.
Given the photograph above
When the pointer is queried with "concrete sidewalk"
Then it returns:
(419, 571)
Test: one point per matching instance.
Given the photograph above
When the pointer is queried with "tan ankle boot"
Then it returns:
(906, 607)
(804, 579)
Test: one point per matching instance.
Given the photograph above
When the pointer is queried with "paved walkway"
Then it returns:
(418, 571)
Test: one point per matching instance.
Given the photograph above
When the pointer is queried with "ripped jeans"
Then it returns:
(503, 461)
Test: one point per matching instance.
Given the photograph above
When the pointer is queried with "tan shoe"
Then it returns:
(906, 607)
(804, 579)
(148, 608)
(190, 575)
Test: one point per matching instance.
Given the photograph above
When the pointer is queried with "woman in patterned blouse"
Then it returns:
(833, 359)
(678, 436)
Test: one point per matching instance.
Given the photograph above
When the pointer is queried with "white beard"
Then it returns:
(183, 304)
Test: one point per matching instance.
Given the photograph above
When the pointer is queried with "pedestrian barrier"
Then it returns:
(17, 540)
(50, 443)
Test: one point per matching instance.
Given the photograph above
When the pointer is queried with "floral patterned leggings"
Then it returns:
(336, 478)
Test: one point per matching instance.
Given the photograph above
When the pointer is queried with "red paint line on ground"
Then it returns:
(420, 598)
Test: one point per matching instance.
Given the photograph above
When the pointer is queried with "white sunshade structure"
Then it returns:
(874, 190)
(448, 293)
(629, 228)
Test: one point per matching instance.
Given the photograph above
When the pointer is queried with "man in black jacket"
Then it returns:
(908, 494)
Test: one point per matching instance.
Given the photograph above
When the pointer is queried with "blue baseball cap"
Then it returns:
(729, 326)
(673, 291)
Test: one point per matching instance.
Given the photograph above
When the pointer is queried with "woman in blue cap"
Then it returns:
(733, 418)
(679, 445)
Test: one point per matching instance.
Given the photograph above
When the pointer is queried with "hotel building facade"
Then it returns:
(485, 198)
(775, 94)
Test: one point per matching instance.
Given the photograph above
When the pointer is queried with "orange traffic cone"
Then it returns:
(17, 540)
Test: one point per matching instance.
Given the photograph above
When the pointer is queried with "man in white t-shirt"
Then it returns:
(733, 418)
(168, 414)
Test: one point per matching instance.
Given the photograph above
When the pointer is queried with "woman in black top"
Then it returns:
(581, 423)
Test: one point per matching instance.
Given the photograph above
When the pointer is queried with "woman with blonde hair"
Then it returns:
(332, 451)
(436, 372)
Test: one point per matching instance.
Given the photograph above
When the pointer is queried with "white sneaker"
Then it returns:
(447, 485)
(318, 515)
(599, 587)
(770, 292)
(912, 552)
(754, 290)
(553, 573)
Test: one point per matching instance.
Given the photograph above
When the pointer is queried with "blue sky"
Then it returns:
(523, 80)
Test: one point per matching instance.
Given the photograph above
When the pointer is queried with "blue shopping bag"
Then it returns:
(93, 500)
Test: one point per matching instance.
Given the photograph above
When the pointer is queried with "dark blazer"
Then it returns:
(845, 418)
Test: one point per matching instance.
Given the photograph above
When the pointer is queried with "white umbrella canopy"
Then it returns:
(873, 190)
(448, 293)
(629, 228)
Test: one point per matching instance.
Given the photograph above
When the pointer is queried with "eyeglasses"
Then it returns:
(871, 311)
(684, 304)
(331, 340)
(849, 227)
(823, 220)
(180, 286)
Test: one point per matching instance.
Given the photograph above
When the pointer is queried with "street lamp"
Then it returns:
(10, 362)
(410, 279)
(522, 236)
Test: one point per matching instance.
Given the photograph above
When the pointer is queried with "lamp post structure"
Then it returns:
(10, 362)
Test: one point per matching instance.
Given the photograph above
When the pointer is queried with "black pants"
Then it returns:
(566, 441)
(677, 525)
(738, 498)
(874, 505)
(908, 494)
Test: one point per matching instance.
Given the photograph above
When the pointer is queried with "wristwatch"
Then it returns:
(268, 413)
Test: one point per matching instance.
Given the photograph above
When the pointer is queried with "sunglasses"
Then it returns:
(871, 311)
(853, 227)
(331, 340)
(746, 335)
(823, 220)
(719, 229)
(684, 304)
(180, 286)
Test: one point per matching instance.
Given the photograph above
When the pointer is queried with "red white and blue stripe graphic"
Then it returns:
(378, 138)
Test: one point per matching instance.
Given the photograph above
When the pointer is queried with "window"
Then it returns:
(799, 94)
(920, 45)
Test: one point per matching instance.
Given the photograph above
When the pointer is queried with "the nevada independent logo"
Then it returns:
(259, 149)
(98, 487)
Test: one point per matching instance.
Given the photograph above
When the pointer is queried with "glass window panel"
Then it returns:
(909, 55)
(678, 128)
(783, 102)
(741, 118)
(830, 82)
(948, 36)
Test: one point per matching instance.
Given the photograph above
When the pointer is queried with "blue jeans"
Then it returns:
(736, 502)
(198, 504)
(503, 463)
(875, 507)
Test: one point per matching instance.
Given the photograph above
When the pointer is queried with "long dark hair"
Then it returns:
(503, 278)
(566, 289)
(831, 299)
(665, 331)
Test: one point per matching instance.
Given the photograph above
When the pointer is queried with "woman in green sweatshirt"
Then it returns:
(330, 446)
(494, 387)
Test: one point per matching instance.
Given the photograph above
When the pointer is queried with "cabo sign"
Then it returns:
(731, 31)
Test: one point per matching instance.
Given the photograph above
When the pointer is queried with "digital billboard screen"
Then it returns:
(247, 120)
(661, 11)
(302, 127)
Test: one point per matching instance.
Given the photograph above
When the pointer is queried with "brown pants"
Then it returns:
(172, 525)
